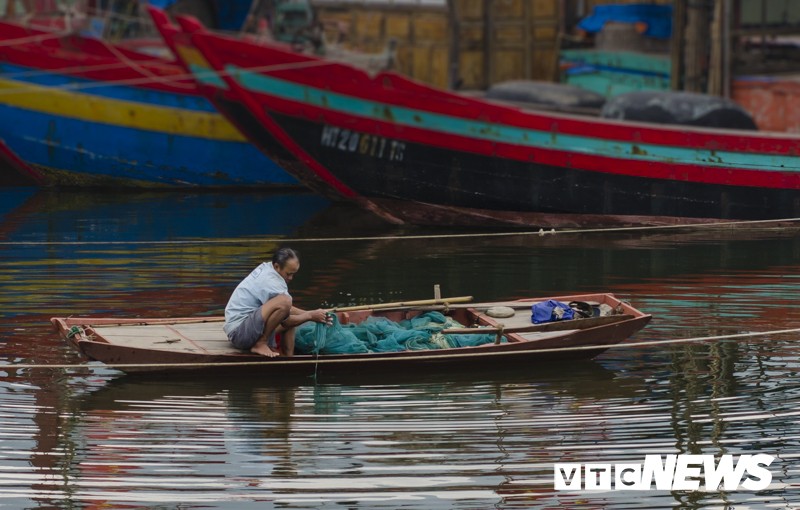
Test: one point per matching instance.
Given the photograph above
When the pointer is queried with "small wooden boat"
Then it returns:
(184, 344)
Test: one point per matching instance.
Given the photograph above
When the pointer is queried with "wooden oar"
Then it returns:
(516, 305)
(481, 306)
(404, 304)
(547, 326)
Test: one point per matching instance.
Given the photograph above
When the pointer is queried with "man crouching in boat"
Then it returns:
(261, 306)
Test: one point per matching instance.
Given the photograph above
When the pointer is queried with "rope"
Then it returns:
(65, 70)
(181, 77)
(146, 72)
(726, 225)
(145, 81)
(33, 38)
(469, 353)
(26, 21)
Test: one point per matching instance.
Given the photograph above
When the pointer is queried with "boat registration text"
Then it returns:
(346, 140)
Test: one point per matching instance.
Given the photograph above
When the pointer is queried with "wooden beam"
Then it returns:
(547, 326)
(404, 304)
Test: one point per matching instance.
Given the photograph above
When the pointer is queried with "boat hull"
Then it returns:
(79, 112)
(190, 344)
(493, 357)
(483, 189)
(420, 153)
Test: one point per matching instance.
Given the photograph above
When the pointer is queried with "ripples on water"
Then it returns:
(89, 438)
(427, 443)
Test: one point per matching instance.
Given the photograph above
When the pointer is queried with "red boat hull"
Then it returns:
(418, 153)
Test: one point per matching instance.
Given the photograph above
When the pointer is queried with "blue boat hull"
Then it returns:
(75, 131)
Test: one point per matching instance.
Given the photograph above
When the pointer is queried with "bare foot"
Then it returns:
(264, 350)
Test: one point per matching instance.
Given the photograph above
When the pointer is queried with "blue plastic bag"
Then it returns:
(551, 311)
(658, 18)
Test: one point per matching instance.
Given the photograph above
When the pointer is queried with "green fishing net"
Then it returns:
(379, 334)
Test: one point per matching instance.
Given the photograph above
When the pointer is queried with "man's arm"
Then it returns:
(298, 316)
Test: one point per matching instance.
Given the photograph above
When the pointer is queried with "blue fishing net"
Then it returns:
(379, 334)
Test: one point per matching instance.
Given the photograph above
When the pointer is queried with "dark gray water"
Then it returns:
(93, 438)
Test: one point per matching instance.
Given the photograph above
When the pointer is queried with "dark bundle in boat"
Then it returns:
(686, 108)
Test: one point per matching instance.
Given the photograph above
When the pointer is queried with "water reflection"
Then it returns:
(303, 443)
(61, 216)
(90, 437)
(439, 441)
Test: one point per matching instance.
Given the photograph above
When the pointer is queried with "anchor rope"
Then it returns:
(166, 80)
(722, 225)
(466, 354)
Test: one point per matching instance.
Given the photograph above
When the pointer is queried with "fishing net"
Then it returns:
(379, 334)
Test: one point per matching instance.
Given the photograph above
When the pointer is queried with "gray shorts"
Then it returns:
(246, 335)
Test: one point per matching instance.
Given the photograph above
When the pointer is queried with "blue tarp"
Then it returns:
(551, 311)
(657, 17)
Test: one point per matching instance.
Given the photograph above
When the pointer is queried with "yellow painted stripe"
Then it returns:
(192, 56)
(117, 112)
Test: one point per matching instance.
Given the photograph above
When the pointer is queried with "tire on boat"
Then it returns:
(685, 108)
(548, 94)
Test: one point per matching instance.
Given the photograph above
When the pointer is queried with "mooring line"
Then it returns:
(466, 354)
(181, 76)
(541, 233)
(35, 38)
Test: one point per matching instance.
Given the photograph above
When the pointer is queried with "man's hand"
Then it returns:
(321, 316)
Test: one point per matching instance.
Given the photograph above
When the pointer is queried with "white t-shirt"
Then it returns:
(261, 285)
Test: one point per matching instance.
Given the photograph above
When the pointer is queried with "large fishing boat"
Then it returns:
(424, 155)
(79, 110)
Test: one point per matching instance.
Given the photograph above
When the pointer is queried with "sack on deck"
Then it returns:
(551, 311)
